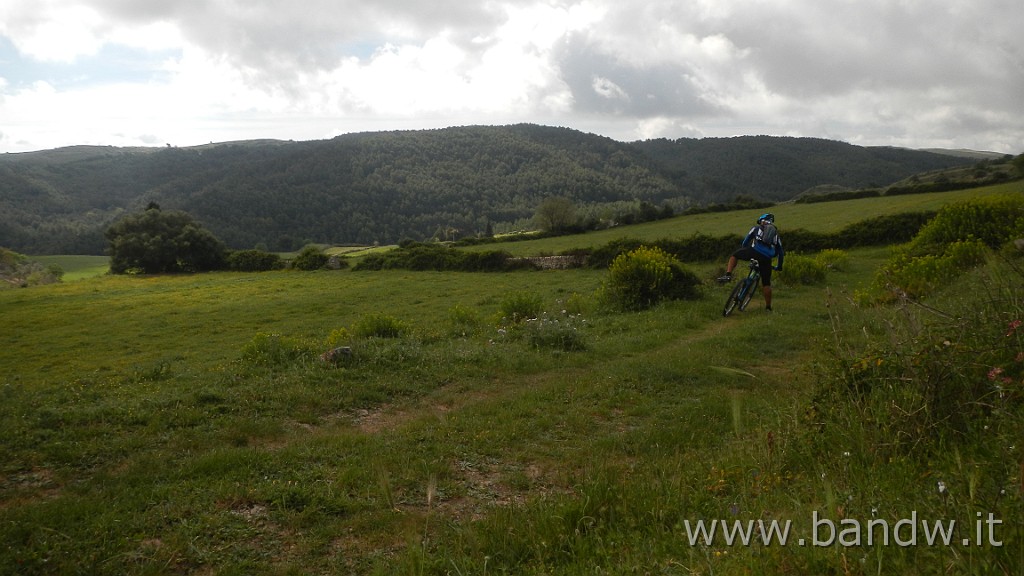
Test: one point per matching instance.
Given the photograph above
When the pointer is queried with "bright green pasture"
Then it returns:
(819, 217)
(141, 435)
(138, 440)
(77, 267)
(115, 323)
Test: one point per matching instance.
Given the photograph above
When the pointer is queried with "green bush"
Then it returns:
(645, 276)
(16, 270)
(517, 307)
(802, 270)
(957, 239)
(463, 321)
(576, 303)
(275, 350)
(563, 332)
(338, 337)
(992, 220)
(378, 326)
(918, 276)
(832, 259)
(310, 258)
(254, 261)
(938, 374)
(442, 258)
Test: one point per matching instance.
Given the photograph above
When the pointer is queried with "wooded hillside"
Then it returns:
(383, 187)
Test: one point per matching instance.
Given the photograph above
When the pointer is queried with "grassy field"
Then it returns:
(77, 267)
(187, 425)
(821, 217)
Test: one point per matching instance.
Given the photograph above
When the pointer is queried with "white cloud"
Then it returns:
(874, 71)
(50, 32)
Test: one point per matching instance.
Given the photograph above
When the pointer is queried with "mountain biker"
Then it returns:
(762, 244)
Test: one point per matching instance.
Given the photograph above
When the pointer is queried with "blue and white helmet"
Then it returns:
(766, 217)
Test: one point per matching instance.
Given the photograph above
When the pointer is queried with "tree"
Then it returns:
(555, 214)
(155, 241)
(310, 258)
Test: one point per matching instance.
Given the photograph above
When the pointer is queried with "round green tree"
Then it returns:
(157, 241)
(645, 276)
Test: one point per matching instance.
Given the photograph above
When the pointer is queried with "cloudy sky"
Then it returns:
(916, 73)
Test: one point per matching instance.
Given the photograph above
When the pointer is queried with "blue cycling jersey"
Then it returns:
(770, 251)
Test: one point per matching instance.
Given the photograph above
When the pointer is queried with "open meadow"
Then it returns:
(815, 217)
(192, 424)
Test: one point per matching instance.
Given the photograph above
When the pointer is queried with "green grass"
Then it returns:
(139, 437)
(820, 217)
(77, 267)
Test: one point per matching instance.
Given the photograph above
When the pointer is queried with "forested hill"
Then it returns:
(382, 187)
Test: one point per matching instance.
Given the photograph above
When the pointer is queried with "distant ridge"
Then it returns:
(386, 186)
(963, 153)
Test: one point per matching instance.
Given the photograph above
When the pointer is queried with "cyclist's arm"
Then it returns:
(780, 253)
(748, 241)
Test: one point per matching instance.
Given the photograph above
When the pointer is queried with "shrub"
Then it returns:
(937, 375)
(645, 276)
(921, 275)
(416, 256)
(310, 258)
(378, 326)
(832, 259)
(17, 270)
(993, 221)
(274, 350)
(576, 303)
(520, 306)
(955, 240)
(338, 337)
(802, 270)
(254, 261)
(562, 332)
(463, 321)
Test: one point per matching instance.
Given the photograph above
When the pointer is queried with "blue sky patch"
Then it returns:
(112, 64)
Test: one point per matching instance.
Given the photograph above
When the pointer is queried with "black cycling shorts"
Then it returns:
(745, 254)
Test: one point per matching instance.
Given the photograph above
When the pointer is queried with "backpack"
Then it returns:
(768, 235)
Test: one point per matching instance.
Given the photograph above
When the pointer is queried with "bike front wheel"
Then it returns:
(734, 298)
(745, 300)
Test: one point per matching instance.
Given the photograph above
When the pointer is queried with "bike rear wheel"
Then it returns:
(734, 298)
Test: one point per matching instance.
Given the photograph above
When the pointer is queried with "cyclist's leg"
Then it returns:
(733, 260)
(766, 281)
(731, 265)
(745, 254)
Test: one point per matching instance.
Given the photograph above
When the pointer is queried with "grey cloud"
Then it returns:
(308, 34)
(655, 90)
(870, 71)
(821, 48)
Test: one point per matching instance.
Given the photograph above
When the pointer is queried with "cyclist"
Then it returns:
(762, 244)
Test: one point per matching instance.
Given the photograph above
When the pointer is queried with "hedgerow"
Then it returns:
(416, 256)
(878, 231)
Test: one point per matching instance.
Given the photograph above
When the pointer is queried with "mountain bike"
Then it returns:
(744, 290)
